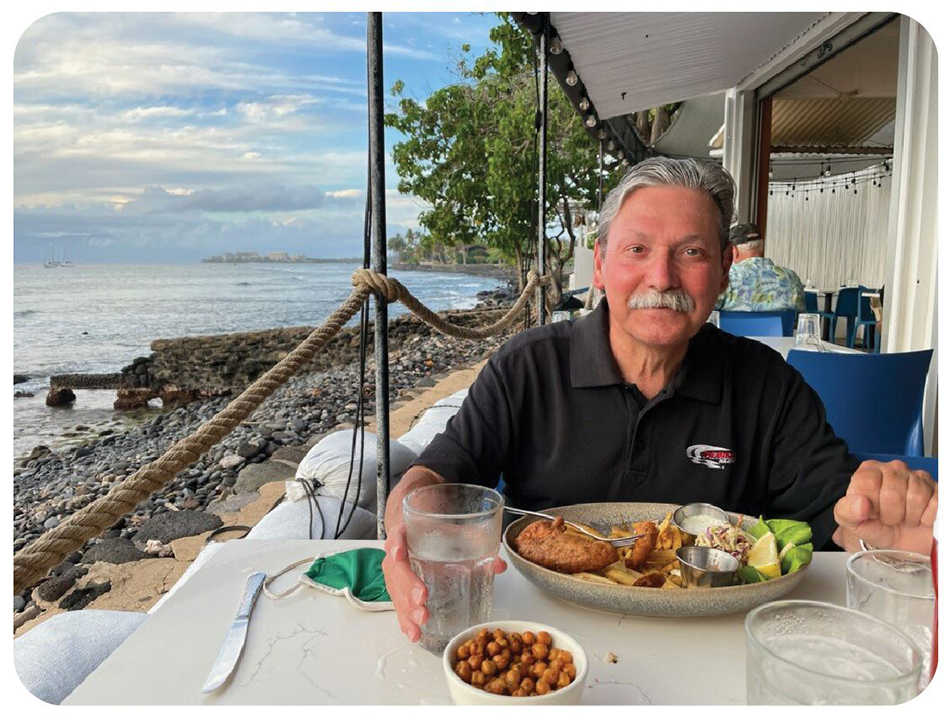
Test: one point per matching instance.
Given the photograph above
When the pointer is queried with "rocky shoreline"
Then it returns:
(50, 485)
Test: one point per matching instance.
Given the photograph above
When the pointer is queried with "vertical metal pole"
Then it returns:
(542, 169)
(600, 178)
(374, 48)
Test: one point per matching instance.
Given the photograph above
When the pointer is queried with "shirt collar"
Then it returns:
(593, 364)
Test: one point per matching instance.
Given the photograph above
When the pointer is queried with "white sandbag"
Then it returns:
(288, 521)
(328, 463)
(56, 655)
(433, 422)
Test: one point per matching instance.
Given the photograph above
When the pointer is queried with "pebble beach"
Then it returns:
(52, 482)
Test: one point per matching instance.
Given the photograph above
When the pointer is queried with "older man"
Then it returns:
(757, 283)
(642, 400)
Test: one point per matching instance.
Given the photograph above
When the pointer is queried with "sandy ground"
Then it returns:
(138, 585)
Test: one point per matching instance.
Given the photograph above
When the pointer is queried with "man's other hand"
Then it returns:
(887, 505)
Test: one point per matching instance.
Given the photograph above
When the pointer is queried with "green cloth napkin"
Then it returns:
(359, 570)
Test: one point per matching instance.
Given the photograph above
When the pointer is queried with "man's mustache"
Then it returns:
(675, 299)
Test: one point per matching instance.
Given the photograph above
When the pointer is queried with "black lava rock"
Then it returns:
(78, 599)
(54, 588)
(114, 550)
(171, 526)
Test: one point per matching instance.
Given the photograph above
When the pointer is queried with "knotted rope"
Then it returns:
(50, 549)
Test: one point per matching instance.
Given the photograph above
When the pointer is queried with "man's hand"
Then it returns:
(888, 506)
(408, 592)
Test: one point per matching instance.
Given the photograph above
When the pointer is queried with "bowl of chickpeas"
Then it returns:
(515, 662)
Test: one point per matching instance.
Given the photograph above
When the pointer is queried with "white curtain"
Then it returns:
(831, 237)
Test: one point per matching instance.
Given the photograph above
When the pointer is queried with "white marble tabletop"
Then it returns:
(784, 344)
(313, 648)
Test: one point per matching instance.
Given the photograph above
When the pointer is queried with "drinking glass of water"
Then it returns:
(808, 333)
(453, 531)
(896, 587)
(812, 653)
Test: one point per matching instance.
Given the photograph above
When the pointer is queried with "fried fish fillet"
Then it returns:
(548, 544)
(641, 549)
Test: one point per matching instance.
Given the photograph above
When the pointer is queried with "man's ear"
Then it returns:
(728, 256)
(598, 280)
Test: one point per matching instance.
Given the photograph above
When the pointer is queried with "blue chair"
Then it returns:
(915, 463)
(811, 307)
(846, 307)
(788, 316)
(750, 323)
(867, 319)
(873, 401)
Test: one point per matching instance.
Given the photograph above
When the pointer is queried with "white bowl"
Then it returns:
(464, 694)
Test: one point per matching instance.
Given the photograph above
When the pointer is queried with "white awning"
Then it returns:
(635, 61)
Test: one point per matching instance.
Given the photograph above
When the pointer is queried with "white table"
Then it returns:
(784, 344)
(313, 648)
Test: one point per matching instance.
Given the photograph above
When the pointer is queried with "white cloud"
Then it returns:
(346, 193)
(140, 113)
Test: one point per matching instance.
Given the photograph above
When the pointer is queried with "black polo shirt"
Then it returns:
(737, 427)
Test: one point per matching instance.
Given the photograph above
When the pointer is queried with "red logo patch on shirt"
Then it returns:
(711, 456)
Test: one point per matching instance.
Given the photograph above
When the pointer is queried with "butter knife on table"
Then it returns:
(234, 641)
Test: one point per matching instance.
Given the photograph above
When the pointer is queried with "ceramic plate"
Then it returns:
(628, 600)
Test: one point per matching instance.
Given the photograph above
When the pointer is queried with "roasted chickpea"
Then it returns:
(479, 679)
(571, 669)
(493, 648)
(539, 650)
(567, 657)
(515, 643)
(553, 653)
(502, 642)
(527, 659)
(544, 638)
(519, 693)
(537, 670)
(482, 641)
(556, 664)
(464, 651)
(497, 686)
(527, 637)
(563, 680)
(542, 687)
(481, 633)
(501, 661)
(489, 668)
(527, 684)
(550, 676)
(513, 679)
(463, 670)
(498, 634)
(475, 662)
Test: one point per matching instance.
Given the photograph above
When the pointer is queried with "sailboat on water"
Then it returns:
(50, 261)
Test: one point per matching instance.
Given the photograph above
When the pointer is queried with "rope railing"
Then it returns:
(50, 549)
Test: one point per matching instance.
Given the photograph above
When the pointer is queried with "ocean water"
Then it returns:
(97, 318)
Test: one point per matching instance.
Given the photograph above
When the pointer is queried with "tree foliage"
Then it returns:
(470, 152)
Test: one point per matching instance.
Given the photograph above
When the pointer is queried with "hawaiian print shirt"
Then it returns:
(757, 284)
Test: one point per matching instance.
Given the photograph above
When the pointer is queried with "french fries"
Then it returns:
(661, 560)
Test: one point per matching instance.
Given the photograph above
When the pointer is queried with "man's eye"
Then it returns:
(694, 252)
(635, 249)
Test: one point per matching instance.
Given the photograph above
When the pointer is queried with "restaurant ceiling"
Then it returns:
(636, 61)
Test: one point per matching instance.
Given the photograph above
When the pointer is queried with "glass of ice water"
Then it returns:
(800, 652)
(453, 531)
(896, 587)
(808, 333)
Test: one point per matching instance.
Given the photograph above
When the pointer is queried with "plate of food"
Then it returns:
(769, 558)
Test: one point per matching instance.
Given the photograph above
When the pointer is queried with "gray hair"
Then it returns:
(751, 246)
(708, 177)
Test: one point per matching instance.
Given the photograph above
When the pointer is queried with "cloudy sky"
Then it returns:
(147, 137)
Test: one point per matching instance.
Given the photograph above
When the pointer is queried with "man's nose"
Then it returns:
(662, 272)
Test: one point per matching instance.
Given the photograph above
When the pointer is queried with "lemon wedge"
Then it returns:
(764, 556)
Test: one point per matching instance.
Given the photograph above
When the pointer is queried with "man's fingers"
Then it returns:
(920, 489)
(893, 497)
(852, 510)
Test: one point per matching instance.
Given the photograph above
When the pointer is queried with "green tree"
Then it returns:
(470, 152)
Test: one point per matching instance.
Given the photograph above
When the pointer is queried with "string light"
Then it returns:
(571, 78)
(591, 120)
(556, 47)
(584, 104)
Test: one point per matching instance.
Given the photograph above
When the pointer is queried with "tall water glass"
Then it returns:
(896, 587)
(801, 652)
(808, 333)
(453, 531)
